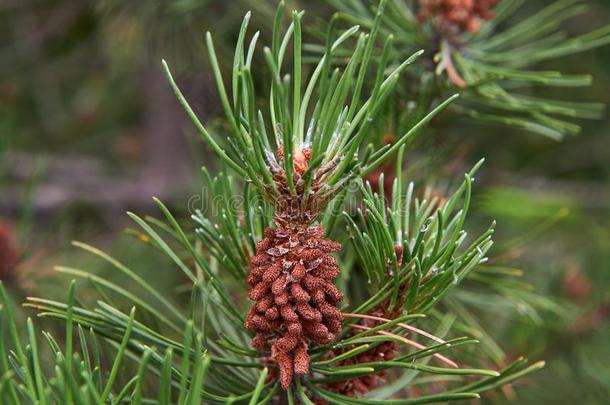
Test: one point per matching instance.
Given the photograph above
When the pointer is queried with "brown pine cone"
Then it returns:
(358, 386)
(8, 251)
(295, 300)
(384, 352)
(456, 16)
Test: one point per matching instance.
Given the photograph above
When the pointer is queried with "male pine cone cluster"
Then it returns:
(8, 251)
(457, 15)
(357, 386)
(291, 284)
(386, 351)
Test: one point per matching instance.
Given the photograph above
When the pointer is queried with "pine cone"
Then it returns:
(384, 352)
(456, 16)
(360, 385)
(8, 251)
(291, 282)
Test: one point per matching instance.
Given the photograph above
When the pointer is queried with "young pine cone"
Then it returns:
(358, 386)
(457, 16)
(295, 300)
(385, 351)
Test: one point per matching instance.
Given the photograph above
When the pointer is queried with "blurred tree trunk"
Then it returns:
(167, 169)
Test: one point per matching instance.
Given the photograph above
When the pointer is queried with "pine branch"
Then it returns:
(489, 61)
(291, 157)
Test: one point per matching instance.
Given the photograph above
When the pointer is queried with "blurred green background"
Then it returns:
(89, 129)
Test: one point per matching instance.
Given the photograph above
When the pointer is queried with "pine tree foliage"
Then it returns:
(429, 236)
(488, 54)
(292, 166)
